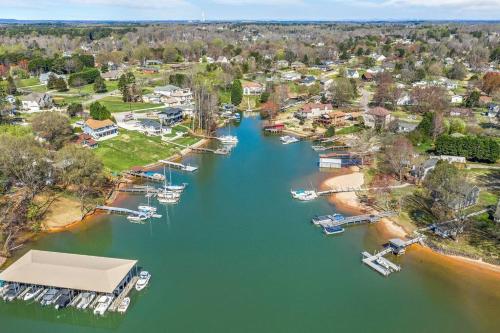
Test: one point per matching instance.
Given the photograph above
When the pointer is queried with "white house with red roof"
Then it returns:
(313, 110)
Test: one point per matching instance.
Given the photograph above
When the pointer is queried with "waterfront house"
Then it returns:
(352, 74)
(377, 117)
(297, 65)
(167, 90)
(252, 88)
(308, 81)
(170, 116)
(290, 76)
(152, 127)
(100, 129)
(281, 64)
(151, 98)
(313, 110)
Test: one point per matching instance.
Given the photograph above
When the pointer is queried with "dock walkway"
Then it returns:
(116, 303)
(330, 221)
(154, 177)
(183, 167)
(379, 263)
(120, 210)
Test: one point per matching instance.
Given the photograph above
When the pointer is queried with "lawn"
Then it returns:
(348, 130)
(132, 148)
(89, 88)
(32, 81)
(115, 104)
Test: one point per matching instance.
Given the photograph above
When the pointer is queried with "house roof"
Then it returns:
(251, 85)
(379, 111)
(96, 124)
(66, 270)
(311, 106)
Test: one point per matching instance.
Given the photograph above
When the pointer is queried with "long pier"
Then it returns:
(183, 167)
(155, 177)
(119, 210)
(332, 221)
(116, 303)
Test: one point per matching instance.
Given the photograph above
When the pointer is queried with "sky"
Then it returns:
(250, 9)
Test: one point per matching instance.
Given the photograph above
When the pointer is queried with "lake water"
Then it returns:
(237, 254)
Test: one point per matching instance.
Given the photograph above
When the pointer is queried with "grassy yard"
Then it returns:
(349, 130)
(32, 81)
(115, 104)
(132, 148)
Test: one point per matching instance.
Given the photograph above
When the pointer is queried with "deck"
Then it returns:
(329, 220)
(119, 210)
(180, 166)
(116, 303)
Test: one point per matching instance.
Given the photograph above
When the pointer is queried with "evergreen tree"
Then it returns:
(60, 85)
(236, 92)
(99, 111)
(11, 86)
(100, 85)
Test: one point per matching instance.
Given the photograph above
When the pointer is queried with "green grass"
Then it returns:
(115, 104)
(89, 88)
(32, 81)
(132, 149)
(349, 130)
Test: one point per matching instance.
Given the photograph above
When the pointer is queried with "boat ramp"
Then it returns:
(382, 265)
(180, 166)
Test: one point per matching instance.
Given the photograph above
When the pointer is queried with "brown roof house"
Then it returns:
(252, 88)
(85, 140)
(313, 110)
(378, 117)
(100, 129)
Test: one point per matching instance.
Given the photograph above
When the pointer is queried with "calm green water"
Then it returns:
(238, 255)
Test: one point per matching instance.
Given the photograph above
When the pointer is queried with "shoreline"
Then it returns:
(350, 203)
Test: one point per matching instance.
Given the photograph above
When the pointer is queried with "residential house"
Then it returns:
(378, 116)
(112, 75)
(308, 81)
(100, 129)
(149, 70)
(238, 59)
(404, 100)
(352, 74)
(421, 171)
(290, 76)
(86, 140)
(313, 110)
(406, 127)
(152, 127)
(367, 77)
(167, 90)
(252, 88)
(485, 100)
(457, 99)
(297, 65)
(44, 77)
(461, 112)
(222, 60)
(171, 116)
(493, 110)
(208, 60)
(153, 62)
(34, 102)
(281, 64)
(151, 98)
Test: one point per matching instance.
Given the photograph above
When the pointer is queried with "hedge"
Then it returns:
(87, 76)
(475, 148)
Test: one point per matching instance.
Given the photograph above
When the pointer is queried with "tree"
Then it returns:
(74, 109)
(398, 154)
(104, 68)
(342, 91)
(472, 100)
(11, 86)
(99, 111)
(491, 82)
(51, 82)
(458, 71)
(432, 98)
(81, 172)
(386, 93)
(236, 92)
(53, 127)
(100, 85)
(60, 85)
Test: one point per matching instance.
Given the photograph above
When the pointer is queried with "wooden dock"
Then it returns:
(180, 166)
(154, 177)
(116, 303)
(331, 221)
(379, 263)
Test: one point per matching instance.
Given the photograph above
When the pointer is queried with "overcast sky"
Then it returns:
(250, 9)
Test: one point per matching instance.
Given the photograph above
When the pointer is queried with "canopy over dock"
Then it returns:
(72, 271)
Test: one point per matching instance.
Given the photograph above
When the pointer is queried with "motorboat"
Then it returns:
(147, 208)
(333, 230)
(287, 139)
(12, 292)
(34, 292)
(85, 300)
(137, 218)
(63, 300)
(40, 295)
(3, 289)
(169, 200)
(122, 308)
(103, 304)
(228, 139)
(304, 195)
(175, 188)
(143, 281)
(168, 194)
(50, 297)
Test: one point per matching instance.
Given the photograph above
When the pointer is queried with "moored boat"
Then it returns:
(333, 230)
(287, 139)
(143, 281)
(122, 308)
(304, 195)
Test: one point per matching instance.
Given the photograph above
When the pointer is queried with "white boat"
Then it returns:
(143, 281)
(175, 188)
(35, 291)
(147, 208)
(39, 297)
(3, 289)
(228, 139)
(304, 195)
(156, 216)
(85, 301)
(135, 218)
(50, 297)
(287, 139)
(122, 308)
(103, 304)
(168, 194)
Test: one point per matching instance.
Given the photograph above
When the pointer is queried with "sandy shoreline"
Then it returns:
(349, 202)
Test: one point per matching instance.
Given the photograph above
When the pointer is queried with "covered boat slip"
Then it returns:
(71, 271)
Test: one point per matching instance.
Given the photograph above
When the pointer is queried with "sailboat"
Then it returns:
(228, 139)
(166, 195)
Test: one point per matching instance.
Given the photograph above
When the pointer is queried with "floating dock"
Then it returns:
(180, 166)
(119, 210)
(146, 175)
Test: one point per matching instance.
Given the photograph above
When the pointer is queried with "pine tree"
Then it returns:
(100, 85)
(236, 92)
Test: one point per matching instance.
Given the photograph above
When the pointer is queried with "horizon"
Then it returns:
(252, 10)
